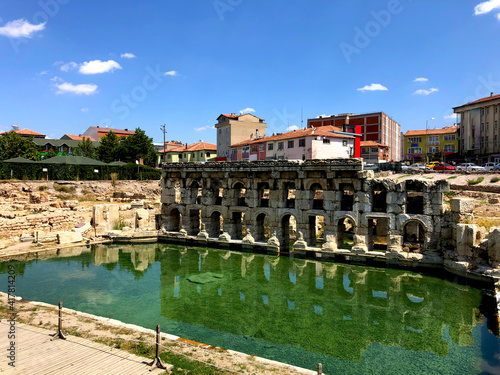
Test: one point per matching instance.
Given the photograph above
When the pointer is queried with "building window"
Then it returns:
(220, 131)
(495, 141)
(415, 139)
(227, 141)
(496, 109)
(449, 137)
(326, 140)
(449, 148)
(302, 143)
(262, 148)
(227, 129)
(365, 150)
(482, 111)
(344, 143)
(180, 156)
(375, 150)
(415, 150)
(487, 110)
(496, 124)
(487, 125)
(281, 145)
(169, 156)
(290, 144)
(434, 138)
(254, 148)
(246, 149)
(270, 146)
(433, 149)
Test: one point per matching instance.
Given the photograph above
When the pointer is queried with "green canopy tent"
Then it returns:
(117, 163)
(73, 160)
(20, 160)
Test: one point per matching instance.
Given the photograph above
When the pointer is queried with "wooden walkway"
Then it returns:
(36, 354)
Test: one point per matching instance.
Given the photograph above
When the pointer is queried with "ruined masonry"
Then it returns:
(328, 206)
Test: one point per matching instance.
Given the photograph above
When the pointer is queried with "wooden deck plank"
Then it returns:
(36, 353)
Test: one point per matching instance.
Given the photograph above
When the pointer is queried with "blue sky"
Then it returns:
(66, 65)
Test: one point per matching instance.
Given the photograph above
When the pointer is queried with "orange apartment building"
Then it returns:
(377, 127)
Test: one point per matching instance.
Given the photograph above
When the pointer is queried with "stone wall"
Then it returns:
(43, 223)
(333, 205)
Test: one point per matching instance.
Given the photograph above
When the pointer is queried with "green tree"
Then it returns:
(138, 146)
(85, 148)
(108, 148)
(13, 145)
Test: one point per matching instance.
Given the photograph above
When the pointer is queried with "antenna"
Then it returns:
(302, 118)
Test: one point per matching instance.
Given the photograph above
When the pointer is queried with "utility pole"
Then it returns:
(162, 128)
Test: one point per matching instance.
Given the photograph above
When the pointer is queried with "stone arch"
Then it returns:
(263, 191)
(379, 197)
(215, 192)
(261, 227)
(414, 235)
(289, 193)
(313, 181)
(346, 229)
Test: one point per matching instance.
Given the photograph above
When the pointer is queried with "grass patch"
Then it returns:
(494, 179)
(450, 194)
(64, 189)
(429, 178)
(119, 224)
(487, 222)
(452, 177)
(42, 188)
(475, 182)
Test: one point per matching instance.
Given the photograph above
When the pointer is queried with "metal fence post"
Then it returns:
(59, 334)
(157, 361)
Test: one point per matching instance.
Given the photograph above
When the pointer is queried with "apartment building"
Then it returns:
(478, 129)
(201, 151)
(431, 144)
(96, 132)
(302, 144)
(234, 128)
(377, 127)
(374, 152)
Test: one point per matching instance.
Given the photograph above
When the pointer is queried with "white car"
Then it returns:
(419, 167)
(470, 167)
(491, 166)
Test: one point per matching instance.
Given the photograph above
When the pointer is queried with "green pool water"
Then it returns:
(353, 319)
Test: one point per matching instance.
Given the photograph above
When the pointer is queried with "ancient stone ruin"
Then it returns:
(329, 207)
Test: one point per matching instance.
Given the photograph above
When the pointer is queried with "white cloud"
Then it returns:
(373, 87)
(20, 29)
(82, 89)
(425, 92)
(498, 16)
(171, 73)
(127, 55)
(69, 66)
(247, 110)
(42, 73)
(421, 79)
(291, 128)
(486, 7)
(453, 116)
(98, 66)
(85, 109)
(204, 128)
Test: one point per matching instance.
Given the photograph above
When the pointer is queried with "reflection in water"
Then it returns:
(294, 310)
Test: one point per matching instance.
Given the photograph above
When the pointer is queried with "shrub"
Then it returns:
(119, 224)
(64, 189)
(114, 178)
(450, 194)
(475, 182)
(42, 188)
(494, 179)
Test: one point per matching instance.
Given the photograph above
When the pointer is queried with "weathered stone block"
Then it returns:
(69, 237)
(462, 205)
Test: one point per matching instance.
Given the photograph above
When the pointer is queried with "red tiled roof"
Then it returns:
(195, 147)
(236, 116)
(25, 132)
(116, 131)
(79, 137)
(485, 99)
(296, 134)
(446, 130)
(372, 144)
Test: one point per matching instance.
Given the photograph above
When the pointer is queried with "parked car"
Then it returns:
(444, 167)
(432, 164)
(419, 167)
(490, 166)
(470, 167)
(404, 167)
(496, 168)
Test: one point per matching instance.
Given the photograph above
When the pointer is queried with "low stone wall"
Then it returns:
(46, 222)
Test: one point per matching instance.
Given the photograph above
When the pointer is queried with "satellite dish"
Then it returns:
(15, 127)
